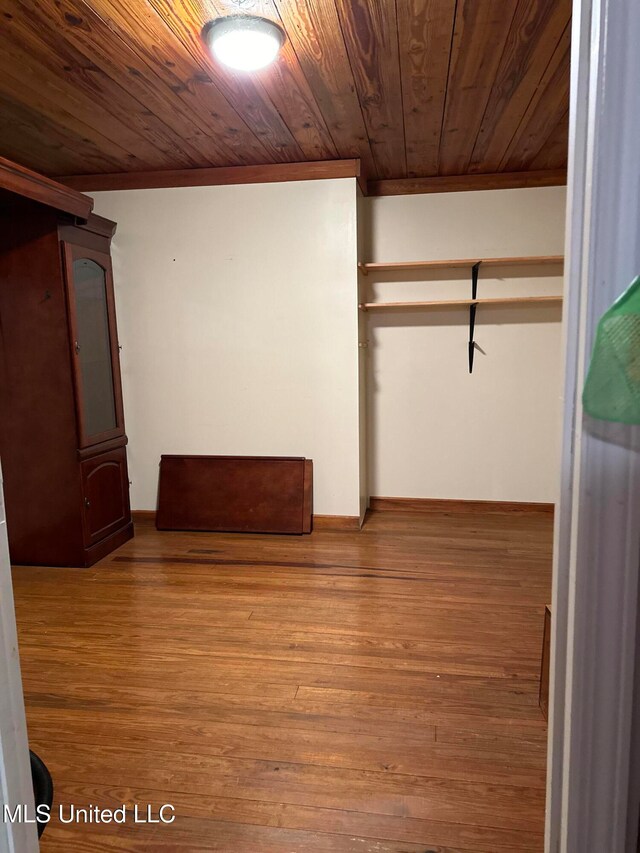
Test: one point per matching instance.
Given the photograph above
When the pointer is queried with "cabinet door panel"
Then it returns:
(94, 344)
(105, 486)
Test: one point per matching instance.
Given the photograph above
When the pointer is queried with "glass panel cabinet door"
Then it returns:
(94, 344)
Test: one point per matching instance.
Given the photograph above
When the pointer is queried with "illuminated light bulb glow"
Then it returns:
(244, 42)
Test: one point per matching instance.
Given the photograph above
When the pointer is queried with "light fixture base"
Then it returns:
(244, 42)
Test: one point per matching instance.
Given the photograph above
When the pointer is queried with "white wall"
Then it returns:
(15, 772)
(237, 313)
(434, 430)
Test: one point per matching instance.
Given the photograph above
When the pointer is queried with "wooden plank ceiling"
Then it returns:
(414, 88)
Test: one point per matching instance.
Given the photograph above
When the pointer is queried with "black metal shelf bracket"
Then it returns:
(472, 313)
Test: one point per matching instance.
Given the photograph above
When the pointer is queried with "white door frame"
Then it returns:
(597, 540)
(15, 772)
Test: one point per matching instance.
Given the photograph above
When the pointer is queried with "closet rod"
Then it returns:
(459, 303)
(528, 260)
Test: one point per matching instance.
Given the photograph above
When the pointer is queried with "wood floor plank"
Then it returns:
(371, 690)
(433, 657)
(488, 804)
(279, 711)
(369, 829)
(518, 695)
(417, 756)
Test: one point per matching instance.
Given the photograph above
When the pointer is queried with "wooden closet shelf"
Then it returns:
(528, 260)
(462, 303)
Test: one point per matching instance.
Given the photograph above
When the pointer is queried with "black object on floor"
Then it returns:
(42, 787)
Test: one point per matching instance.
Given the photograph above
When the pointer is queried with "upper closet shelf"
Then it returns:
(455, 303)
(461, 263)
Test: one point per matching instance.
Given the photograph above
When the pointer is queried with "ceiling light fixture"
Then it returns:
(244, 42)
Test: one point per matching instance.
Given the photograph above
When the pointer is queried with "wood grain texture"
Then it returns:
(537, 28)
(318, 42)
(371, 690)
(467, 183)
(94, 46)
(185, 20)
(319, 522)
(30, 137)
(35, 75)
(283, 84)
(167, 63)
(439, 505)
(413, 88)
(324, 169)
(249, 494)
(42, 404)
(308, 171)
(505, 301)
(27, 184)
(523, 261)
(554, 149)
(545, 109)
(480, 33)
(336, 522)
(371, 37)
(78, 56)
(425, 30)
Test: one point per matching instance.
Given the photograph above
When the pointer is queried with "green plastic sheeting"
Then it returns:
(612, 389)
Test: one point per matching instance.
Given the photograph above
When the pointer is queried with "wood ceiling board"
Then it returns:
(370, 31)
(30, 82)
(555, 80)
(537, 27)
(425, 33)
(166, 58)
(296, 104)
(283, 84)
(243, 91)
(28, 136)
(554, 150)
(314, 30)
(480, 34)
(25, 94)
(415, 88)
(117, 59)
(76, 83)
(542, 120)
(53, 41)
(321, 51)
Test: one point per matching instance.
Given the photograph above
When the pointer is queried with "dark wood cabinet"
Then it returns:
(62, 435)
(105, 490)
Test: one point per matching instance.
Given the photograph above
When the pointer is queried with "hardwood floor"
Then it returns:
(340, 692)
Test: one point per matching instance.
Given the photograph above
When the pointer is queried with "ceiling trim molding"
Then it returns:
(269, 173)
(464, 183)
(311, 171)
(23, 182)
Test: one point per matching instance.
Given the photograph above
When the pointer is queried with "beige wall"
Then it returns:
(237, 312)
(238, 317)
(433, 429)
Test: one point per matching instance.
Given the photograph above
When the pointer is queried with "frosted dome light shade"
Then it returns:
(244, 42)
